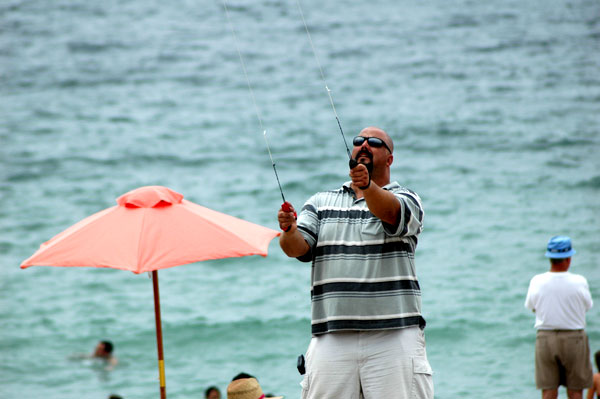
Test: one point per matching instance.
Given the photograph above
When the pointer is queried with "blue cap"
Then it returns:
(559, 247)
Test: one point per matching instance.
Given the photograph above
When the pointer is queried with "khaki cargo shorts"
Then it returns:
(562, 357)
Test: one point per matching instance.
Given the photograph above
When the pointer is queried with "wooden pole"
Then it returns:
(159, 339)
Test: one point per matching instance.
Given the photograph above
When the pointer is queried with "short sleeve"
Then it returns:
(410, 217)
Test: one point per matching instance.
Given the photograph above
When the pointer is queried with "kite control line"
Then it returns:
(286, 206)
(352, 162)
(274, 169)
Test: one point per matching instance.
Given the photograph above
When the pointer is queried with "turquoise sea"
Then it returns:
(494, 107)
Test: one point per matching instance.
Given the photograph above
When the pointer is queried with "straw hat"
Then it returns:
(246, 388)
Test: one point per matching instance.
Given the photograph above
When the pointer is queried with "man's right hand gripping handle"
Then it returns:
(287, 216)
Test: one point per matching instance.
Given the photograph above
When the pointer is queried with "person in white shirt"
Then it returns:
(560, 300)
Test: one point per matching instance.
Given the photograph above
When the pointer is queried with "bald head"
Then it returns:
(373, 131)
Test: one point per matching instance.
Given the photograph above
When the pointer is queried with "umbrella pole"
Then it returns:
(159, 340)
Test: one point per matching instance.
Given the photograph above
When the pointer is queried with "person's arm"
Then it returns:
(529, 302)
(595, 387)
(587, 296)
(291, 240)
(382, 203)
(111, 363)
(590, 392)
(77, 356)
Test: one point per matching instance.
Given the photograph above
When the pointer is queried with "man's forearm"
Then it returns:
(382, 203)
(293, 243)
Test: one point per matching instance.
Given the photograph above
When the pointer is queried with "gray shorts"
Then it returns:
(562, 357)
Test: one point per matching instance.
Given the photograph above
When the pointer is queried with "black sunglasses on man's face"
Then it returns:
(374, 142)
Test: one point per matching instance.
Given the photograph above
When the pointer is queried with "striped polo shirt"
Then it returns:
(363, 270)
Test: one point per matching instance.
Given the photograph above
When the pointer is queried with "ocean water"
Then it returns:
(494, 108)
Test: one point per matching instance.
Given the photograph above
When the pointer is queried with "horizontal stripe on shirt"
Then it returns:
(380, 249)
(344, 325)
(366, 287)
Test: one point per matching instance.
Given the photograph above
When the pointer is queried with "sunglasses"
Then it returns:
(372, 141)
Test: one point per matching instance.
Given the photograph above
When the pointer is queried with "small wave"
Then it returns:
(121, 119)
(499, 16)
(92, 48)
(193, 80)
(558, 163)
(250, 11)
(445, 130)
(349, 53)
(594, 35)
(31, 170)
(462, 21)
(593, 183)
(84, 10)
(511, 46)
(459, 169)
(5, 246)
(594, 99)
(170, 58)
(543, 144)
(14, 6)
(316, 29)
(92, 82)
(46, 114)
(502, 89)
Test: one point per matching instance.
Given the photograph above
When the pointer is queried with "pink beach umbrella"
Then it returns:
(152, 228)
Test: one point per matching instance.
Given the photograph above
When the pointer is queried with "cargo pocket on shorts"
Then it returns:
(422, 384)
(305, 384)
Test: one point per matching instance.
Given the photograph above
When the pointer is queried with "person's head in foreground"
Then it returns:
(246, 388)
